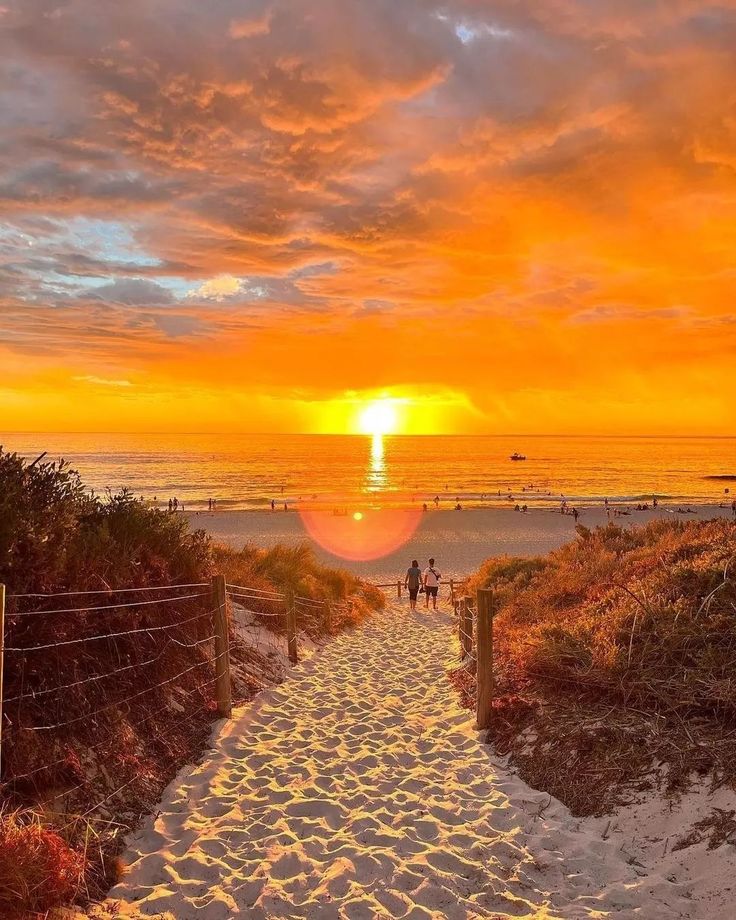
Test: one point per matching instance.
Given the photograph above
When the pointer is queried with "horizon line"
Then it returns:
(351, 434)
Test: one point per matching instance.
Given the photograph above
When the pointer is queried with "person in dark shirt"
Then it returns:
(412, 581)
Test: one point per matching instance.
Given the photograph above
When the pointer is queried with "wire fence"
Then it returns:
(82, 670)
(455, 587)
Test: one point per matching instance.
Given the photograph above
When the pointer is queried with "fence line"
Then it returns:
(115, 635)
(200, 584)
(107, 740)
(210, 603)
(475, 633)
(128, 667)
(158, 600)
(213, 600)
(128, 699)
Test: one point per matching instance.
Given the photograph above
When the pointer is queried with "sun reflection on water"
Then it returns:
(377, 475)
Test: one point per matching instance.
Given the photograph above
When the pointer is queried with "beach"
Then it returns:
(459, 540)
(360, 788)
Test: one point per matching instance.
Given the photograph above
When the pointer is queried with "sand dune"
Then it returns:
(358, 789)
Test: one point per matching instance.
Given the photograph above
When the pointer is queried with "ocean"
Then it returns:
(335, 471)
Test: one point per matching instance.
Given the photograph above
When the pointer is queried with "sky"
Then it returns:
(494, 215)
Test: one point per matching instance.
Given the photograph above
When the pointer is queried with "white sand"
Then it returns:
(359, 788)
(459, 540)
(649, 831)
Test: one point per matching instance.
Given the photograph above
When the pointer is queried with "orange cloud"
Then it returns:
(516, 215)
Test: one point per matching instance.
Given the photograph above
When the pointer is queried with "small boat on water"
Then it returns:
(517, 456)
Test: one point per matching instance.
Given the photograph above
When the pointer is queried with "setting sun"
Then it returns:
(379, 417)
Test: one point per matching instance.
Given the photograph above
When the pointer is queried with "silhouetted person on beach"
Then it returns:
(431, 581)
(436, 501)
(286, 507)
(412, 581)
(273, 504)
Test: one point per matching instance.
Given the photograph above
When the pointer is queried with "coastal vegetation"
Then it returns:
(104, 692)
(614, 661)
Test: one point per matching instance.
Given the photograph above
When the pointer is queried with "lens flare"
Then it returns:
(363, 535)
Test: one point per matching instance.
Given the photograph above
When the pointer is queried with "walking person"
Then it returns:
(412, 581)
(431, 581)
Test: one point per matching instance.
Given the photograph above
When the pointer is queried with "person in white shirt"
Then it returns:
(431, 580)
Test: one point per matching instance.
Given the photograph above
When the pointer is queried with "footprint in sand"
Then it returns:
(360, 789)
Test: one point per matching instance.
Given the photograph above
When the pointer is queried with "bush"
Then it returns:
(622, 645)
(38, 869)
(54, 536)
(644, 615)
(295, 569)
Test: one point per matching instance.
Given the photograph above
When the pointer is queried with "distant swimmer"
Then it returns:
(458, 507)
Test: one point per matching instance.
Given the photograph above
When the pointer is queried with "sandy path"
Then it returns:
(359, 789)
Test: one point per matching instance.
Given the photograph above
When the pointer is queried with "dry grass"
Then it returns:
(38, 868)
(295, 569)
(614, 655)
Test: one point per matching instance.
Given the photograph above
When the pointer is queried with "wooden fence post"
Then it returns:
(223, 691)
(452, 591)
(466, 626)
(484, 672)
(291, 627)
(398, 589)
(2, 653)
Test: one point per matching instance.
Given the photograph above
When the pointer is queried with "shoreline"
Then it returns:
(459, 540)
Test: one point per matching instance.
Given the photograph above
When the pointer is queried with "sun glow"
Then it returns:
(379, 417)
